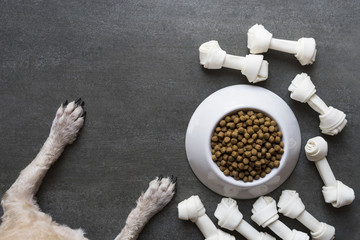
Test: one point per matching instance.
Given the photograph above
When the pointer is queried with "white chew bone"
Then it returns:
(260, 40)
(229, 216)
(291, 206)
(335, 192)
(252, 66)
(265, 214)
(332, 120)
(192, 209)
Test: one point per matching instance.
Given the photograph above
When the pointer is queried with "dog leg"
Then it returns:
(160, 192)
(68, 121)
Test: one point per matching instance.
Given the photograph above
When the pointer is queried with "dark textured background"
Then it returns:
(135, 63)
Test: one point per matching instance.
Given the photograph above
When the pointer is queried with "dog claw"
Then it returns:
(65, 103)
(78, 101)
(83, 114)
(82, 103)
(173, 179)
(160, 177)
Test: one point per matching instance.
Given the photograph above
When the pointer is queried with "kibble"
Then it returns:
(247, 145)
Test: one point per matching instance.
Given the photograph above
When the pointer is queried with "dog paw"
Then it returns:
(159, 194)
(68, 121)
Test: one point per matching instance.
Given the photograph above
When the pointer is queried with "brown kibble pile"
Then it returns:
(247, 145)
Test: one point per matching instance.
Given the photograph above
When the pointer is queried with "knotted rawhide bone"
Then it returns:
(265, 214)
(229, 216)
(291, 206)
(334, 191)
(192, 209)
(254, 67)
(260, 40)
(332, 120)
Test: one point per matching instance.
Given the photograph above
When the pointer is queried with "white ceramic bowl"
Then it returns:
(207, 116)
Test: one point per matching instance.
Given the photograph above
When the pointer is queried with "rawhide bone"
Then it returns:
(290, 205)
(334, 191)
(254, 67)
(332, 120)
(260, 40)
(192, 209)
(265, 214)
(229, 216)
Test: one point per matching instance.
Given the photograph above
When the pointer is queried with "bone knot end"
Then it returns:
(306, 53)
(259, 39)
(290, 204)
(316, 149)
(228, 214)
(255, 68)
(264, 211)
(325, 232)
(211, 55)
(302, 88)
(191, 209)
(338, 195)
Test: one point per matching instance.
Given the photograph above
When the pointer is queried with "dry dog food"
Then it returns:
(247, 145)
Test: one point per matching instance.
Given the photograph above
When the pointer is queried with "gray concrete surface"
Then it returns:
(135, 63)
